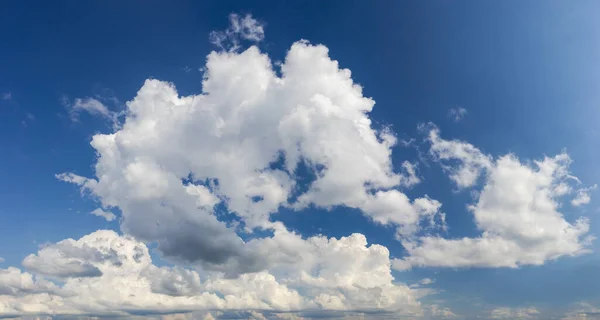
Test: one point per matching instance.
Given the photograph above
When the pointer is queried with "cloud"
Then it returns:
(457, 114)
(190, 174)
(240, 28)
(472, 162)
(514, 313)
(6, 96)
(176, 158)
(15, 283)
(436, 312)
(583, 196)
(1, 259)
(517, 212)
(343, 274)
(107, 215)
(582, 311)
(422, 282)
(29, 118)
(91, 106)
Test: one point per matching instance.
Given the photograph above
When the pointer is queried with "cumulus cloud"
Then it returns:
(190, 174)
(517, 212)
(240, 28)
(15, 283)
(1, 259)
(514, 313)
(343, 274)
(457, 114)
(241, 144)
(107, 215)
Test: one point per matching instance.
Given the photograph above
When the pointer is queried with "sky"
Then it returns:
(299, 160)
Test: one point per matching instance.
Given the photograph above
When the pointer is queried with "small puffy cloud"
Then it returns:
(471, 161)
(514, 313)
(107, 215)
(517, 212)
(583, 196)
(1, 259)
(457, 114)
(240, 28)
(6, 96)
(422, 282)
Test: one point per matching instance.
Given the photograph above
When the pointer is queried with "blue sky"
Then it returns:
(524, 73)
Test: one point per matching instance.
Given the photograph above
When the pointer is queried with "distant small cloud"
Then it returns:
(423, 282)
(107, 215)
(457, 114)
(244, 28)
(29, 118)
(1, 259)
(187, 69)
(583, 196)
(90, 105)
(7, 96)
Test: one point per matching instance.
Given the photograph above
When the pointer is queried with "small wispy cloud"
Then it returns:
(583, 196)
(6, 96)
(89, 105)
(423, 282)
(29, 118)
(107, 215)
(457, 114)
(240, 28)
(1, 259)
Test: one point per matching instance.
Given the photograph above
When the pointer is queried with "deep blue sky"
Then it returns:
(526, 71)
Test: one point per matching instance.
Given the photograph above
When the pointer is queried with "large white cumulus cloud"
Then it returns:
(241, 142)
(178, 167)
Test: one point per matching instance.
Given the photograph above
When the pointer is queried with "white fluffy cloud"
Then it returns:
(517, 212)
(583, 196)
(471, 161)
(334, 274)
(241, 143)
(240, 28)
